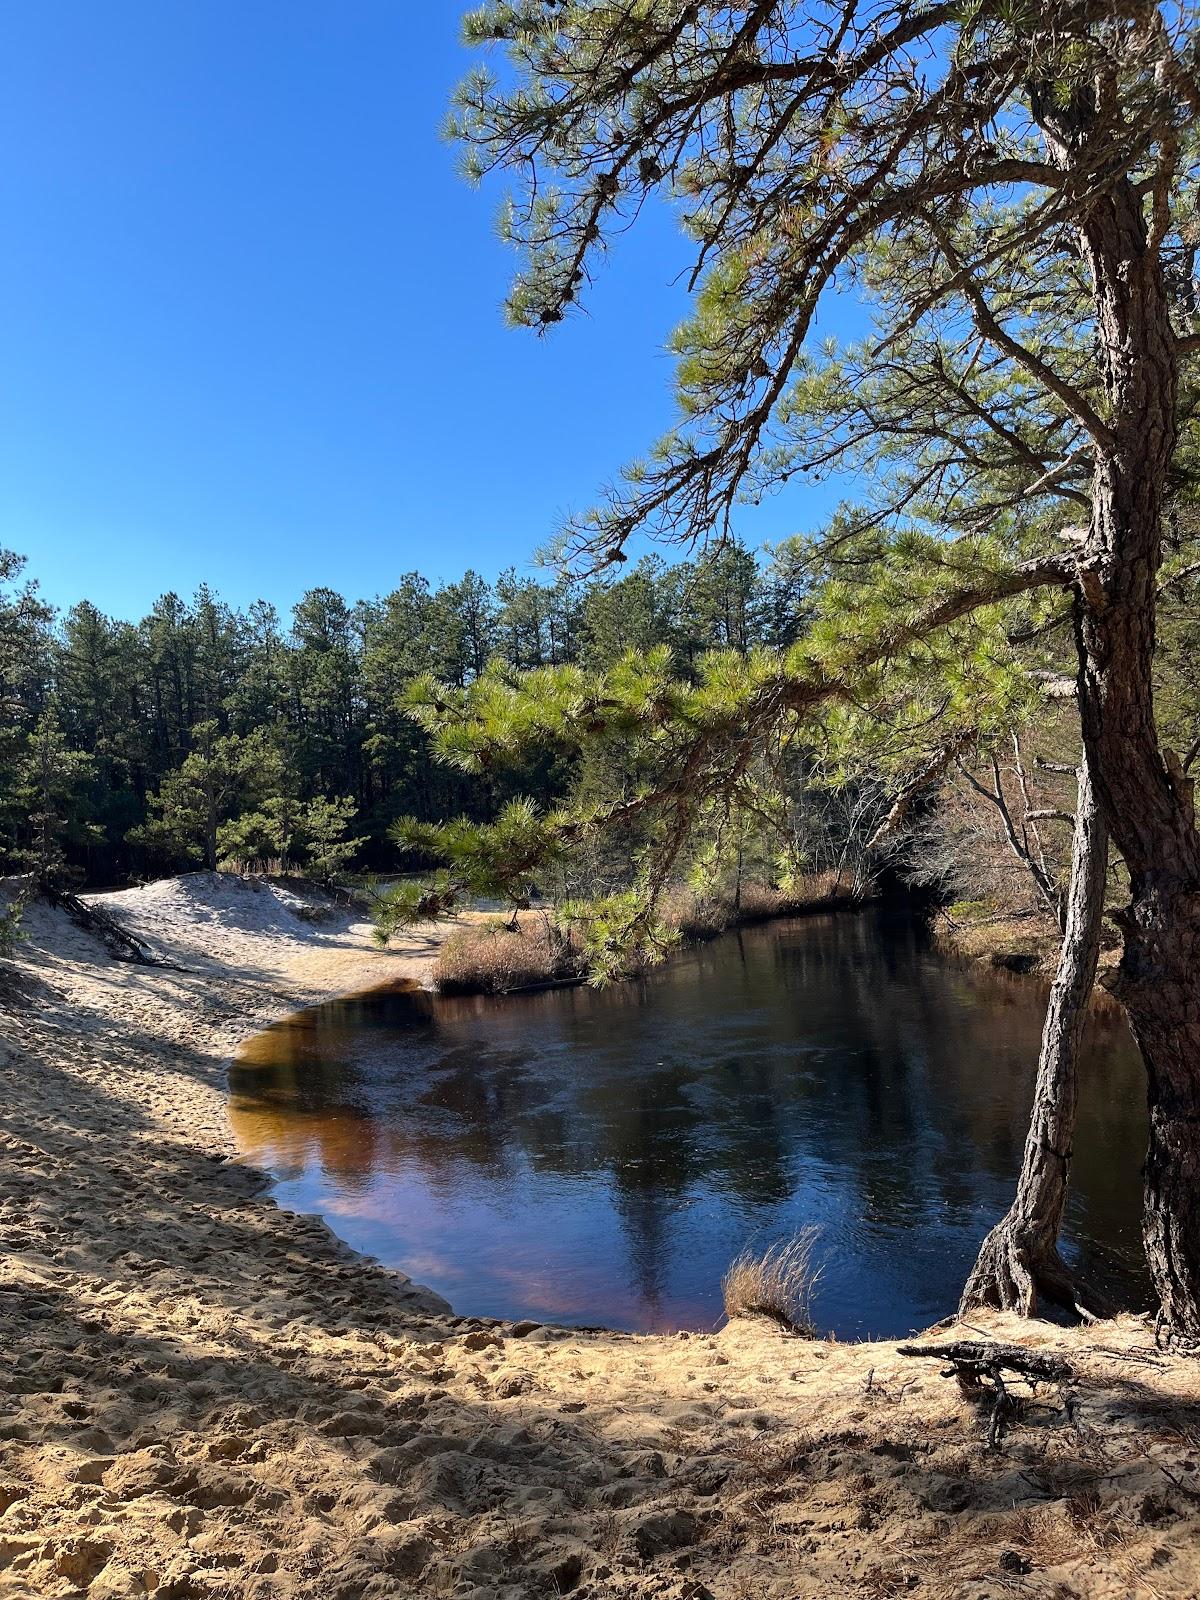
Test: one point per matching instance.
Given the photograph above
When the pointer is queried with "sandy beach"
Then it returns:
(204, 1396)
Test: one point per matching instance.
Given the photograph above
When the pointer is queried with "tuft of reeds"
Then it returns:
(777, 1282)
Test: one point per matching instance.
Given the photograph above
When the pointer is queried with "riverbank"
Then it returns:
(504, 954)
(1027, 946)
(205, 1396)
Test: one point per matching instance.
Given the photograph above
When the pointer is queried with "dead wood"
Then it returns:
(980, 1367)
(117, 940)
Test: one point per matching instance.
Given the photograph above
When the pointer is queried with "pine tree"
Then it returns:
(324, 828)
(1009, 185)
(52, 793)
(24, 692)
(196, 799)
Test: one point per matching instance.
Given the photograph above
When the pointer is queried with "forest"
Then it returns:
(203, 733)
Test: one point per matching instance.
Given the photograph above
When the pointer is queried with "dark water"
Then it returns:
(600, 1157)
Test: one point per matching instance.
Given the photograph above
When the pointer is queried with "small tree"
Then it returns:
(252, 841)
(199, 796)
(272, 829)
(53, 790)
(324, 828)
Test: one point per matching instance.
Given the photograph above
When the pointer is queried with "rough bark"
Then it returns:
(1144, 794)
(1019, 1259)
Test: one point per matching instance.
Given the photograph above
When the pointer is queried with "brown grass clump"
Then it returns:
(777, 1282)
(495, 958)
(695, 917)
(758, 901)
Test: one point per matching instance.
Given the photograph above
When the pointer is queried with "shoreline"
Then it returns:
(206, 1396)
(484, 977)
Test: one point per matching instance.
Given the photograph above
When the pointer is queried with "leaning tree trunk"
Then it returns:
(1144, 795)
(1019, 1259)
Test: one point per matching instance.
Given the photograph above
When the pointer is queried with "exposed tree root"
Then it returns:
(1167, 1337)
(118, 941)
(1013, 1272)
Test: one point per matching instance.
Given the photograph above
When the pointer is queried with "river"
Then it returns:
(599, 1157)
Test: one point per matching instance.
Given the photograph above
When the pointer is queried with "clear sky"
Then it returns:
(250, 325)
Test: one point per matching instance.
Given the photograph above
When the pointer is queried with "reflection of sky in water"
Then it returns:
(602, 1157)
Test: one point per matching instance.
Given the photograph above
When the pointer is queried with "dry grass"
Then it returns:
(774, 1460)
(759, 901)
(777, 1282)
(255, 866)
(495, 958)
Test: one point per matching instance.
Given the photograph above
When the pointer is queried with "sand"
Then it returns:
(202, 1395)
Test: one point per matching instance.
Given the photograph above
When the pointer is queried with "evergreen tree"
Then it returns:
(325, 828)
(52, 794)
(199, 796)
(24, 691)
(326, 635)
(1010, 185)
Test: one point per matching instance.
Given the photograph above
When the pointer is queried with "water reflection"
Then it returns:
(601, 1157)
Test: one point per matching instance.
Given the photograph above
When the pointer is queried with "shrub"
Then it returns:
(777, 1282)
(495, 957)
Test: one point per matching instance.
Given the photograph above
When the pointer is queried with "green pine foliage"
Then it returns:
(804, 150)
(208, 734)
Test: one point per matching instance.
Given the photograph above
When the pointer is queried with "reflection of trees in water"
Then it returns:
(839, 1049)
(943, 1073)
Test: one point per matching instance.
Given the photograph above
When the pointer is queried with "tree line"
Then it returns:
(203, 733)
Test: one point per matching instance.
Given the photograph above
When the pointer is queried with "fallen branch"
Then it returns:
(980, 1367)
(118, 941)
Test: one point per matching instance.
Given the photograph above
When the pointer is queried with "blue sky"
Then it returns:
(250, 325)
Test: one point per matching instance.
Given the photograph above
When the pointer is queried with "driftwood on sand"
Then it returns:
(980, 1366)
(117, 940)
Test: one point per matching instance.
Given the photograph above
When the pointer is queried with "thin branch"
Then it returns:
(1033, 363)
(921, 780)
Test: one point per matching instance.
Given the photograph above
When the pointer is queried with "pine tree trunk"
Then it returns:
(1019, 1259)
(1144, 795)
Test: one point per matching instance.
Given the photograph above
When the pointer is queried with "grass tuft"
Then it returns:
(777, 1282)
(495, 958)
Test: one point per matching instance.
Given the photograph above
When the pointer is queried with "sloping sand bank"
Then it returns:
(203, 1396)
